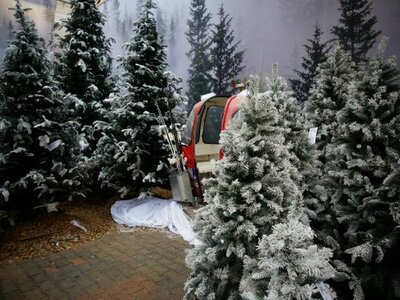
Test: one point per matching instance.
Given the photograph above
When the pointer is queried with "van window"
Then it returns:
(212, 124)
(187, 131)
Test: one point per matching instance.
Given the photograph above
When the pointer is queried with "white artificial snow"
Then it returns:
(79, 225)
(243, 93)
(54, 145)
(83, 143)
(5, 194)
(312, 135)
(51, 207)
(82, 64)
(155, 213)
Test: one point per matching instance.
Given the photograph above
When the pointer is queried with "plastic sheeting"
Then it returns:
(156, 213)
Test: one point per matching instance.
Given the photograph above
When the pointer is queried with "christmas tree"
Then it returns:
(131, 152)
(227, 59)
(199, 82)
(316, 52)
(355, 32)
(38, 145)
(251, 191)
(363, 172)
(84, 64)
(329, 96)
(289, 264)
(332, 88)
(295, 127)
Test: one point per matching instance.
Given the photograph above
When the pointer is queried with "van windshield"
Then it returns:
(187, 131)
(212, 124)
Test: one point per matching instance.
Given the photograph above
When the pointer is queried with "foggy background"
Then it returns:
(271, 31)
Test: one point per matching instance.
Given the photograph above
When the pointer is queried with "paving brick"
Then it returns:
(12, 296)
(26, 286)
(77, 261)
(47, 285)
(8, 287)
(38, 278)
(56, 294)
(141, 265)
(35, 294)
(51, 270)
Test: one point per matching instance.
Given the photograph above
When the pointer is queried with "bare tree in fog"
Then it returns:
(355, 32)
(316, 53)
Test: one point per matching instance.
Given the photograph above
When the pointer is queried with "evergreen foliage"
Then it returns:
(38, 145)
(294, 124)
(355, 32)
(329, 96)
(316, 53)
(288, 265)
(251, 191)
(227, 61)
(131, 152)
(199, 82)
(84, 65)
(363, 172)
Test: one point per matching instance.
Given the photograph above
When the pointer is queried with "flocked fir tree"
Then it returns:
(131, 152)
(329, 96)
(316, 53)
(289, 263)
(363, 172)
(227, 59)
(38, 145)
(295, 130)
(199, 82)
(84, 62)
(251, 191)
(355, 31)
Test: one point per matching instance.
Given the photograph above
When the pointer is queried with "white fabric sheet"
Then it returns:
(156, 213)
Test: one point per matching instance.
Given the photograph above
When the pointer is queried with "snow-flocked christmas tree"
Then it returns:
(289, 264)
(252, 190)
(84, 63)
(363, 173)
(131, 152)
(38, 145)
(329, 96)
(295, 126)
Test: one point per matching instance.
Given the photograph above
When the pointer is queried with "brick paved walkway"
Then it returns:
(136, 265)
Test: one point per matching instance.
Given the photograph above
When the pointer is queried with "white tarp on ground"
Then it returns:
(156, 213)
